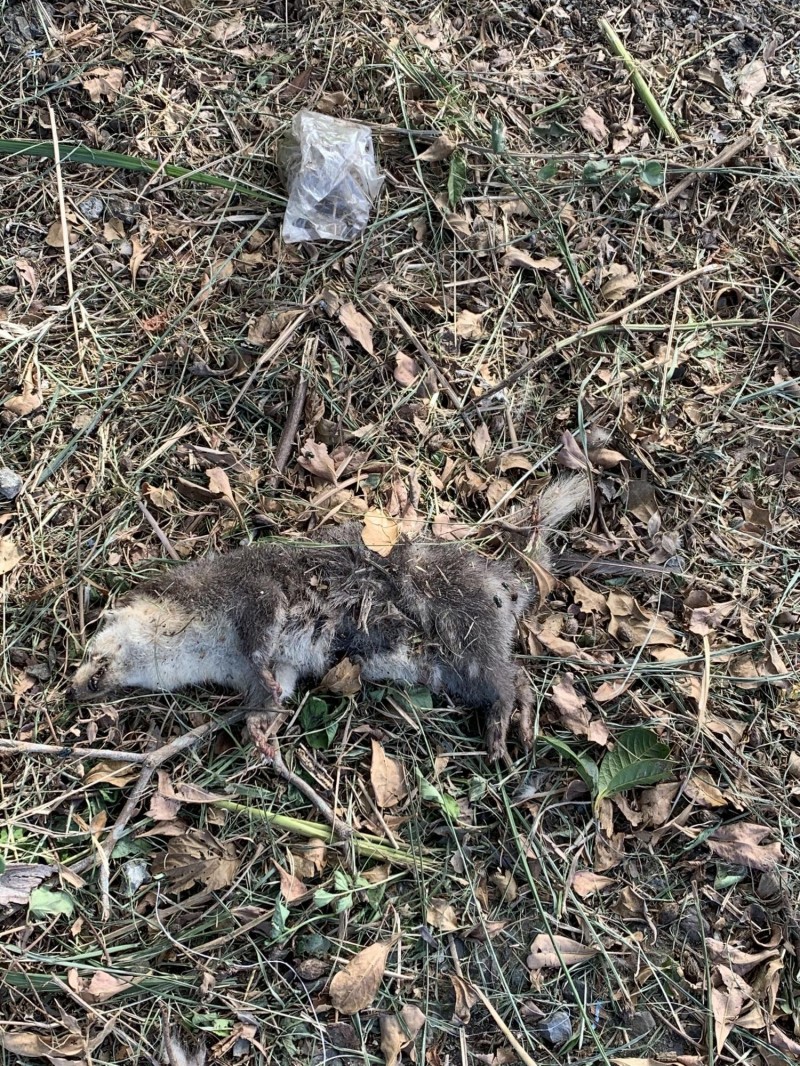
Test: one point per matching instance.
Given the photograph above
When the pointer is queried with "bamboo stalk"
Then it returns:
(640, 84)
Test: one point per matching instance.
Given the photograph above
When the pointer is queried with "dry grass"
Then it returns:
(140, 345)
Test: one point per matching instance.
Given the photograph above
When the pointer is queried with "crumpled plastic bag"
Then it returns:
(331, 177)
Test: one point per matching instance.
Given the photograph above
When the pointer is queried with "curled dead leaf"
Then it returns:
(406, 370)
(292, 888)
(9, 555)
(594, 125)
(357, 325)
(574, 712)
(466, 998)
(355, 987)
(481, 440)
(752, 79)
(387, 778)
(442, 148)
(29, 400)
(741, 845)
(397, 1032)
(469, 325)
(108, 772)
(551, 952)
(517, 259)
(442, 915)
(102, 82)
(343, 679)
(584, 883)
(315, 459)
(620, 281)
(19, 879)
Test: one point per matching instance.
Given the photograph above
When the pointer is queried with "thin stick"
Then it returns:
(284, 449)
(427, 358)
(719, 160)
(639, 82)
(501, 1025)
(597, 326)
(62, 206)
(273, 351)
(159, 532)
(64, 751)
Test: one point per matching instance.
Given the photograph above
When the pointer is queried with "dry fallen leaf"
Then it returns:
(102, 987)
(315, 459)
(657, 803)
(442, 148)
(380, 532)
(343, 679)
(741, 845)
(466, 998)
(398, 1032)
(227, 30)
(703, 791)
(9, 555)
(631, 625)
(621, 281)
(108, 772)
(310, 858)
(442, 915)
(103, 81)
(727, 1001)
(574, 712)
(704, 620)
(734, 958)
(481, 440)
(469, 325)
(516, 259)
(752, 79)
(28, 400)
(589, 601)
(55, 235)
(354, 988)
(594, 125)
(196, 857)
(219, 484)
(357, 325)
(406, 370)
(544, 955)
(584, 883)
(387, 777)
(292, 888)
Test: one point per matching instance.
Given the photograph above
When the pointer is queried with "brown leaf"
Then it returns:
(19, 879)
(606, 458)
(741, 845)
(727, 1002)
(138, 255)
(545, 956)
(657, 803)
(55, 235)
(28, 400)
(574, 712)
(752, 79)
(227, 30)
(610, 690)
(162, 498)
(469, 325)
(309, 859)
(315, 459)
(589, 601)
(406, 370)
(380, 532)
(506, 883)
(9, 555)
(481, 440)
(584, 883)
(594, 125)
(441, 915)
(343, 679)
(741, 962)
(398, 1032)
(292, 888)
(186, 792)
(703, 791)
(357, 325)
(196, 857)
(466, 998)
(108, 772)
(704, 620)
(571, 454)
(355, 987)
(102, 82)
(621, 281)
(633, 626)
(387, 777)
(219, 484)
(103, 986)
(442, 148)
(162, 808)
(517, 259)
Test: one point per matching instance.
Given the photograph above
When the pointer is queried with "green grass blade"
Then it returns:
(79, 153)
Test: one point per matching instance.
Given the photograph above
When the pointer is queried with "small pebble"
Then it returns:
(10, 484)
(91, 208)
(556, 1029)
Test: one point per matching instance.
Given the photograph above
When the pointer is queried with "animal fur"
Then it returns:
(264, 619)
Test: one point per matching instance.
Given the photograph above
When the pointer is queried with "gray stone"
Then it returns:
(10, 484)
(556, 1029)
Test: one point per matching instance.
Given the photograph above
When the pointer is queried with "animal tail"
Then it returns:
(561, 498)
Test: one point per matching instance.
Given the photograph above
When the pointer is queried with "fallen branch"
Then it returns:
(719, 160)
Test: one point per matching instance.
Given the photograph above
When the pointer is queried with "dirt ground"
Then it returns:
(555, 275)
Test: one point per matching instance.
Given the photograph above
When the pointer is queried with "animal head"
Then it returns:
(130, 650)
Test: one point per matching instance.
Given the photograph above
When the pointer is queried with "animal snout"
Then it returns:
(72, 695)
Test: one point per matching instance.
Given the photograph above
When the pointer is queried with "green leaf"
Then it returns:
(48, 901)
(457, 181)
(594, 170)
(318, 722)
(548, 171)
(498, 135)
(652, 173)
(639, 758)
(80, 153)
(418, 698)
(431, 794)
(586, 767)
(2, 865)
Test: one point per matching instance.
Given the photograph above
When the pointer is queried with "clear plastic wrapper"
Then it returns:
(331, 177)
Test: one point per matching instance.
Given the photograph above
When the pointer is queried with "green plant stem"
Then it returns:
(639, 82)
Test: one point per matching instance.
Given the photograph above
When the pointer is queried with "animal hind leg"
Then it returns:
(525, 704)
(498, 721)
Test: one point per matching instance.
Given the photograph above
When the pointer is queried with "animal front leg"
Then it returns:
(274, 684)
(525, 703)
